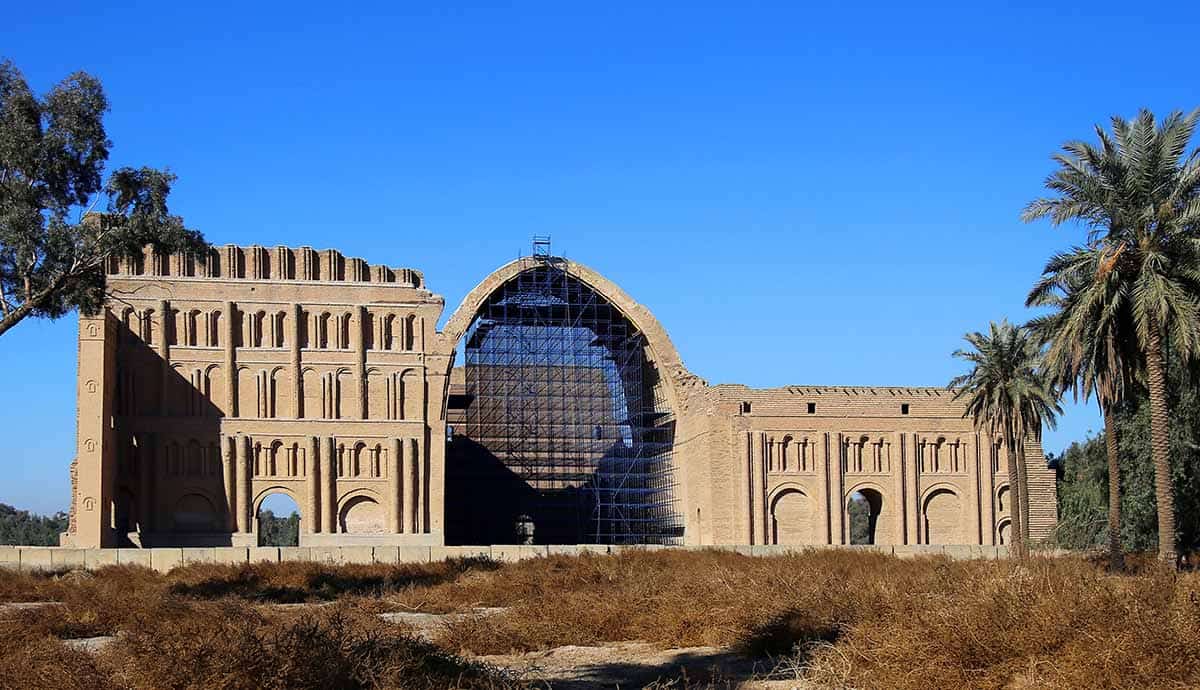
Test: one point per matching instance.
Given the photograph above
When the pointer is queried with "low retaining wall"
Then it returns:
(164, 559)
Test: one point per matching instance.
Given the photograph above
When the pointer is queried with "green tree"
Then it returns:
(1004, 394)
(1083, 489)
(1138, 193)
(1089, 335)
(21, 528)
(53, 243)
(278, 531)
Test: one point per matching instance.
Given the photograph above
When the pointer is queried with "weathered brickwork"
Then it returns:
(210, 383)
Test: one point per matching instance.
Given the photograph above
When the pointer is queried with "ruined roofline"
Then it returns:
(880, 391)
(256, 262)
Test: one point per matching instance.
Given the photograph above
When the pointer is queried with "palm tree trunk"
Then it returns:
(1164, 490)
(1023, 476)
(1014, 480)
(1116, 557)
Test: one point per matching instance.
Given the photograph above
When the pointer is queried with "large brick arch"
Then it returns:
(661, 350)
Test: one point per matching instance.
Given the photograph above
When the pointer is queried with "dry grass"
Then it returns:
(842, 618)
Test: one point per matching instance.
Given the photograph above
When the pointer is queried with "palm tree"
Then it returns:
(1005, 395)
(1090, 349)
(1138, 193)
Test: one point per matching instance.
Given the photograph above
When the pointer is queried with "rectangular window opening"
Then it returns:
(812, 408)
(903, 408)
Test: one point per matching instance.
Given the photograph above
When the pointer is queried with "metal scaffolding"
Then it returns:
(563, 395)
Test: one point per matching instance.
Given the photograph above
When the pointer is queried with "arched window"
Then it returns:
(279, 329)
(343, 339)
(191, 326)
(323, 330)
(256, 329)
(214, 329)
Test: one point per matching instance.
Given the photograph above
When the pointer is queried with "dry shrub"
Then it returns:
(848, 618)
(1047, 623)
(90, 604)
(32, 660)
(296, 581)
(233, 645)
(671, 598)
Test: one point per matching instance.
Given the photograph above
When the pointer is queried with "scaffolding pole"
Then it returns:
(563, 394)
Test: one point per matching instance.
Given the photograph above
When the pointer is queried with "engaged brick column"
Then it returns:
(242, 484)
(359, 334)
(166, 323)
(395, 495)
(313, 518)
(228, 474)
(912, 506)
(897, 467)
(971, 458)
(838, 498)
(297, 395)
(329, 486)
(989, 502)
(146, 458)
(231, 377)
(823, 502)
(756, 458)
(414, 486)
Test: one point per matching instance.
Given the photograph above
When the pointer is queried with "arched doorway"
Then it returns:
(278, 520)
(863, 511)
(561, 431)
(791, 518)
(361, 514)
(942, 518)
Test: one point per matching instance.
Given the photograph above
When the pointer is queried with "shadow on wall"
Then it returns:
(170, 486)
(488, 503)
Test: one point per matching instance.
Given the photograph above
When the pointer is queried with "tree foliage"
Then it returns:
(1083, 485)
(53, 241)
(278, 531)
(1006, 394)
(22, 528)
(1137, 191)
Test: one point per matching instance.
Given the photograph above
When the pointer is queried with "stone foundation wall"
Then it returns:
(32, 558)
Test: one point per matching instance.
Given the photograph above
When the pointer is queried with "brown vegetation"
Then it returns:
(846, 618)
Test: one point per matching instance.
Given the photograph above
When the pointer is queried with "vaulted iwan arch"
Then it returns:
(566, 428)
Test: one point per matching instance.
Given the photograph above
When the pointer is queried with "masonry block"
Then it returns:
(35, 558)
(138, 557)
(228, 555)
(68, 558)
(508, 554)
(165, 560)
(960, 552)
(100, 558)
(441, 553)
(361, 555)
(595, 549)
(325, 554)
(262, 554)
(295, 553)
(10, 558)
(413, 554)
(389, 555)
(565, 550)
(198, 555)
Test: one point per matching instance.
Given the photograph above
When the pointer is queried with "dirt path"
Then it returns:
(638, 665)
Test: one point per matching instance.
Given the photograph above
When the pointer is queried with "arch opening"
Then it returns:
(863, 511)
(278, 520)
(564, 433)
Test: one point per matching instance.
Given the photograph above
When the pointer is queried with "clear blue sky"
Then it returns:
(802, 194)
